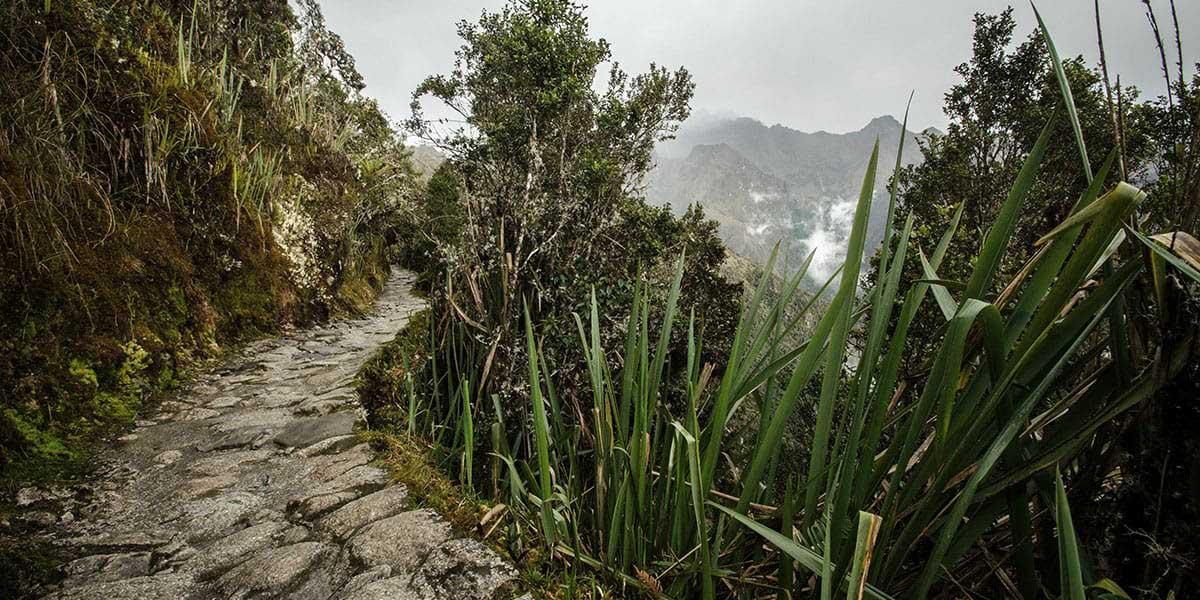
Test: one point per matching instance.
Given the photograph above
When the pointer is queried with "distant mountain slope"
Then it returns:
(767, 184)
(743, 198)
(426, 160)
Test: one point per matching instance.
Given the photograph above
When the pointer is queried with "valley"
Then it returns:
(767, 184)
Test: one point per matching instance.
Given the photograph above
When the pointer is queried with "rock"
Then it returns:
(332, 445)
(327, 467)
(326, 403)
(362, 580)
(310, 508)
(318, 407)
(306, 432)
(393, 588)
(204, 486)
(402, 542)
(129, 437)
(282, 398)
(294, 535)
(174, 406)
(28, 496)
(223, 554)
(262, 419)
(109, 567)
(38, 518)
(225, 402)
(174, 553)
(464, 568)
(368, 509)
(109, 542)
(168, 457)
(360, 477)
(301, 571)
(240, 379)
(227, 463)
(457, 570)
(171, 586)
(106, 501)
(210, 518)
(234, 439)
(197, 414)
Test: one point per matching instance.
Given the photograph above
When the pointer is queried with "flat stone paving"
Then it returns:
(252, 484)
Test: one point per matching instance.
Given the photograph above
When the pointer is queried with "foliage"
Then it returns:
(995, 114)
(1143, 526)
(440, 213)
(546, 171)
(926, 479)
(1005, 95)
(174, 176)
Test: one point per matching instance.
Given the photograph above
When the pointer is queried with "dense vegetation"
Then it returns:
(1000, 404)
(538, 202)
(1019, 342)
(175, 177)
(996, 113)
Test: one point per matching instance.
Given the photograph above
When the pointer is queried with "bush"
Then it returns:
(538, 204)
(945, 478)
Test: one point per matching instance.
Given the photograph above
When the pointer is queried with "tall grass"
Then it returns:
(908, 474)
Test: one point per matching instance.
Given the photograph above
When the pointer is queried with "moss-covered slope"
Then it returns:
(174, 177)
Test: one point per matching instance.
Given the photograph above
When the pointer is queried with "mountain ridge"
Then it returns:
(767, 183)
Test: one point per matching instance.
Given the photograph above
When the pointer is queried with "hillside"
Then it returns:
(771, 183)
(175, 179)
(426, 160)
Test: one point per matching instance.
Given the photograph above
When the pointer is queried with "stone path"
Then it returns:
(251, 484)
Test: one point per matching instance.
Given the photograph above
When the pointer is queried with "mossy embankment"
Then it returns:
(175, 178)
(385, 389)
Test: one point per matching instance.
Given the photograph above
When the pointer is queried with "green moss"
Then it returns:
(83, 373)
(172, 320)
(131, 373)
(113, 407)
(122, 399)
(247, 306)
(381, 381)
(364, 277)
(167, 379)
(38, 441)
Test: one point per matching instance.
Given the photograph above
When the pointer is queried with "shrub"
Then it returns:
(541, 205)
(911, 474)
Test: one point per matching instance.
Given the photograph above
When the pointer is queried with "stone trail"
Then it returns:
(252, 484)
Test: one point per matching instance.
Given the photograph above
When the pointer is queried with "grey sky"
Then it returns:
(808, 64)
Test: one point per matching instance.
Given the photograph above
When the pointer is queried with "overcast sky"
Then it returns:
(807, 64)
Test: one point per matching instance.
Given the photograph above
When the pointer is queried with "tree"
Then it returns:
(550, 171)
(1006, 96)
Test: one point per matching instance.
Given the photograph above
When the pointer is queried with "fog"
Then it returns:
(808, 64)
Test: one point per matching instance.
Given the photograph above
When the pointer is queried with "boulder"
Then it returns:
(364, 511)
(306, 432)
